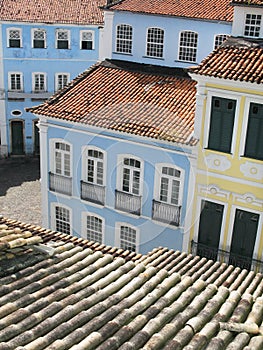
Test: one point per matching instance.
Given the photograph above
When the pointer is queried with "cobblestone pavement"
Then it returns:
(20, 196)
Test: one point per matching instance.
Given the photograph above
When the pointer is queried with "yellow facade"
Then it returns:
(229, 179)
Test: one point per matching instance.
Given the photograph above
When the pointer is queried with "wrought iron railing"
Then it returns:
(167, 213)
(244, 262)
(92, 192)
(60, 184)
(128, 202)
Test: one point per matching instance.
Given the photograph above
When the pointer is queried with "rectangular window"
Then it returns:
(252, 25)
(87, 40)
(14, 38)
(188, 46)
(39, 39)
(128, 238)
(62, 80)
(62, 37)
(219, 39)
(62, 159)
(131, 176)
(155, 42)
(254, 138)
(15, 82)
(124, 39)
(39, 82)
(221, 124)
(62, 220)
(94, 228)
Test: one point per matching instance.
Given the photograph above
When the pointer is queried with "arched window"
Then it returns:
(155, 42)
(188, 46)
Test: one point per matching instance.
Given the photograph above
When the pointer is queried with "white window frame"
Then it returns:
(53, 216)
(185, 46)
(84, 217)
(57, 77)
(120, 173)
(9, 30)
(125, 42)
(253, 26)
(52, 153)
(157, 182)
(85, 159)
(118, 227)
(221, 38)
(57, 38)
(20, 74)
(154, 43)
(82, 32)
(34, 76)
(216, 93)
(33, 37)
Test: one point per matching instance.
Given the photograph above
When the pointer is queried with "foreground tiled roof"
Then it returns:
(237, 59)
(52, 11)
(76, 299)
(219, 10)
(152, 101)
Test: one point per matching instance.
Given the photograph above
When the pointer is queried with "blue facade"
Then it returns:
(150, 233)
(172, 28)
(18, 130)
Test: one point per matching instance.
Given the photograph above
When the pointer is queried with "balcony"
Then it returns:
(128, 202)
(92, 193)
(167, 213)
(244, 262)
(60, 184)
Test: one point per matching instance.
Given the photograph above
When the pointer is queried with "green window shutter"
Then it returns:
(254, 139)
(221, 124)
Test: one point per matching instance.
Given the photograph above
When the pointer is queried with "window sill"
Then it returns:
(154, 58)
(122, 53)
(187, 62)
(217, 151)
(251, 159)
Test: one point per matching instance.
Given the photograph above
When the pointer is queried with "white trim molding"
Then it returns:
(248, 198)
(214, 190)
(252, 170)
(217, 162)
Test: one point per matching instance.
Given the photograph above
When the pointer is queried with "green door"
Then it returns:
(17, 137)
(36, 138)
(243, 238)
(209, 229)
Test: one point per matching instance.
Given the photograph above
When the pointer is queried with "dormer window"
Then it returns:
(252, 25)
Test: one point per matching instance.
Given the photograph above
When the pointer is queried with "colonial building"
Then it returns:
(171, 33)
(118, 156)
(43, 45)
(227, 221)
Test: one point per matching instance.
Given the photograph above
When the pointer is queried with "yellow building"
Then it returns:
(228, 203)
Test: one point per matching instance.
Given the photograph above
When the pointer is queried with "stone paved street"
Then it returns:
(20, 196)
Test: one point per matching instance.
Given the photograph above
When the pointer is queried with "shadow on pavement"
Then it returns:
(15, 171)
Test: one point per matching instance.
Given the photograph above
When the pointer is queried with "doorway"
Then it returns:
(17, 137)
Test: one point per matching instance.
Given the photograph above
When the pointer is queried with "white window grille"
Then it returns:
(124, 39)
(252, 25)
(94, 227)
(219, 39)
(14, 38)
(62, 220)
(62, 39)
(127, 238)
(39, 39)
(87, 40)
(39, 82)
(155, 42)
(188, 46)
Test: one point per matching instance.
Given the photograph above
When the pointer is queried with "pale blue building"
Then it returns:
(43, 47)
(170, 33)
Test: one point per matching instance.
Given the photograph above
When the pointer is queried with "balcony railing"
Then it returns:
(128, 202)
(244, 262)
(60, 184)
(167, 213)
(92, 193)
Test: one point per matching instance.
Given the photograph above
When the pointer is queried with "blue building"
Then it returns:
(43, 46)
(118, 156)
(171, 33)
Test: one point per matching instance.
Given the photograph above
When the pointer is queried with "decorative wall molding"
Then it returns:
(252, 170)
(213, 190)
(248, 198)
(217, 162)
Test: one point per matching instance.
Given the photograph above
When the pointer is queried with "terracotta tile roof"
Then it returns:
(80, 299)
(152, 101)
(248, 2)
(236, 59)
(52, 11)
(219, 10)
